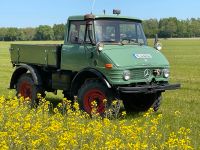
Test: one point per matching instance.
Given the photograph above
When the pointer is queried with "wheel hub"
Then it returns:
(94, 95)
(25, 90)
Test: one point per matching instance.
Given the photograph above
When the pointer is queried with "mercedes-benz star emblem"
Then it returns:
(147, 73)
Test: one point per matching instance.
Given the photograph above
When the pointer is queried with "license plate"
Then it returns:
(143, 56)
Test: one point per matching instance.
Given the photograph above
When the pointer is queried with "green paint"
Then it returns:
(77, 56)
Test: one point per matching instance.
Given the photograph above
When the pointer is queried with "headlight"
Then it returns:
(166, 73)
(158, 46)
(126, 75)
(100, 47)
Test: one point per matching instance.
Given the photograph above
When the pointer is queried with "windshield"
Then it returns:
(119, 31)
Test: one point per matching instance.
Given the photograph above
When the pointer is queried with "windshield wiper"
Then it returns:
(108, 41)
(125, 40)
(113, 42)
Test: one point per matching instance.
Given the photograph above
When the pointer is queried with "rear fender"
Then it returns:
(24, 68)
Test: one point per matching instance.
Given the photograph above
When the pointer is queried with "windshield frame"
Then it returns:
(120, 21)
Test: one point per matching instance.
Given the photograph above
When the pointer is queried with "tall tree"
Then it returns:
(44, 32)
(182, 28)
(29, 33)
(151, 27)
(13, 34)
(3, 32)
(59, 30)
(168, 27)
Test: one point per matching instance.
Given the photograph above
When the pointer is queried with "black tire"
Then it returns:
(68, 96)
(94, 90)
(157, 103)
(141, 102)
(27, 89)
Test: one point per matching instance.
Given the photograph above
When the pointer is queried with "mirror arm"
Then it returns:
(89, 31)
(90, 37)
(157, 45)
(156, 40)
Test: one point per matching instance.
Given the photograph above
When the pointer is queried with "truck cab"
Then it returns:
(103, 57)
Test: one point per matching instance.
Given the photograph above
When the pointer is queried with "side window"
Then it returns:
(73, 34)
(140, 35)
(77, 32)
(82, 33)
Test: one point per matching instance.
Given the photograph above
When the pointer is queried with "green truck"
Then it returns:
(103, 57)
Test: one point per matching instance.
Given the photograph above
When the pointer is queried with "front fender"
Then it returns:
(83, 75)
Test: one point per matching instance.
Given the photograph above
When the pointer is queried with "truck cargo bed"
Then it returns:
(42, 54)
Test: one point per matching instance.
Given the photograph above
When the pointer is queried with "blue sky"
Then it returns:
(26, 13)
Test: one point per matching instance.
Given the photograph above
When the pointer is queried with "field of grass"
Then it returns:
(179, 108)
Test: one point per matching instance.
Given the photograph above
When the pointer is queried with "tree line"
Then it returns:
(43, 32)
(165, 28)
(172, 28)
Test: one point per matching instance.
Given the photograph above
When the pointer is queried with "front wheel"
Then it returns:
(94, 91)
(27, 89)
(142, 102)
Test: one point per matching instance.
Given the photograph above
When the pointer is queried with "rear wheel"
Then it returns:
(142, 102)
(94, 90)
(27, 89)
(67, 95)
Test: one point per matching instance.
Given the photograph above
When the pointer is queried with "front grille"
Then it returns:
(139, 74)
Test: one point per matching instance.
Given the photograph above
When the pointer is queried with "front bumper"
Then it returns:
(148, 88)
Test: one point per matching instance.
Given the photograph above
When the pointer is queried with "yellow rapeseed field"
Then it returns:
(66, 127)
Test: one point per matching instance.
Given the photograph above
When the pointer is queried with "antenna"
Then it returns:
(93, 6)
(104, 11)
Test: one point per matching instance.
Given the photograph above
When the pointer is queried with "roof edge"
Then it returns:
(82, 17)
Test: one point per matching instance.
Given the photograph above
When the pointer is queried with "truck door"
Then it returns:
(73, 54)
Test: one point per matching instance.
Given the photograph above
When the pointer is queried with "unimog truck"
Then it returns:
(103, 57)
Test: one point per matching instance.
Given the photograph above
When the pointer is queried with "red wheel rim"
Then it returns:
(25, 89)
(94, 95)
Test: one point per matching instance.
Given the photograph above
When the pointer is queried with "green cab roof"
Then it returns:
(82, 17)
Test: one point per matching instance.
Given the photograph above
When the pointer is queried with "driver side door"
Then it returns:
(73, 54)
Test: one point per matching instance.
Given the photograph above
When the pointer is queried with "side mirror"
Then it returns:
(157, 45)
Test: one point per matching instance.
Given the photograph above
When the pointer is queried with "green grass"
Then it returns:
(184, 58)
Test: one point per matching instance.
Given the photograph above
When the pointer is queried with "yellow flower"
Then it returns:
(76, 106)
(177, 113)
(3, 145)
(114, 102)
(123, 113)
(40, 128)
